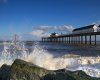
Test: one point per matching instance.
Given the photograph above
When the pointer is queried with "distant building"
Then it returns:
(53, 34)
(87, 29)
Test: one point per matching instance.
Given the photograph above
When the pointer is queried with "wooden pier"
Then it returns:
(81, 35)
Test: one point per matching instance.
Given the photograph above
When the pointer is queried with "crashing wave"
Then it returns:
(43, 58)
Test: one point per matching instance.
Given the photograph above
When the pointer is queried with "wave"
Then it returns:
(42, 58)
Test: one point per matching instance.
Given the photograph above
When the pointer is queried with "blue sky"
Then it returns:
(27, 16)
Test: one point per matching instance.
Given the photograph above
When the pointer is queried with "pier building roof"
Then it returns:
(85, 27)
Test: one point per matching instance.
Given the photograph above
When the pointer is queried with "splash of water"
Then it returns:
(12, 52)
(43, 58)
(92, 70)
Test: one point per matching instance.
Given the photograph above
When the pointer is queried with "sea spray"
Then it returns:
(43, 58)
(92, 70)
(12, 52)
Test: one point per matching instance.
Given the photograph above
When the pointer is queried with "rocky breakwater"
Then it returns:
(22, 70)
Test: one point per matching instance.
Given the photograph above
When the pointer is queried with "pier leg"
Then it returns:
(85, 39)
(62, 39)
(47, 39)
(65, 39)
(81, 39)
(58, 39)
(95, 39)
(78, 39)
(42, 39)
(72, 40)
(90, 39)
(69, 39)
(54, 39)
(51, 39)
(75, 39)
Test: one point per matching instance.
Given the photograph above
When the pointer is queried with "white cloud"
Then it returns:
(43, 31)
(65, 28)
(39, 33)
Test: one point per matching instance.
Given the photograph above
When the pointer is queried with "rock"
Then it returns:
(68, 75)
(58, 76)
(26, 71)
(80, 75)
(4, 70)
(21, 70)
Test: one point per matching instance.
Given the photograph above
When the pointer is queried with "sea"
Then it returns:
(53, 56)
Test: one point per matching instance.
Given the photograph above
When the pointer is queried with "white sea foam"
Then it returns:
(92, 70)
(41, 57)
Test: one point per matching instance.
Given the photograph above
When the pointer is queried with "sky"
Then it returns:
(32, 19)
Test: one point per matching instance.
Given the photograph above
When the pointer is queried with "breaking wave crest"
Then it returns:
(41, 57)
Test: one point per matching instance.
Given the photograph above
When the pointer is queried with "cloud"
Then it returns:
(65, 28)
(43, 31)
(39, 33)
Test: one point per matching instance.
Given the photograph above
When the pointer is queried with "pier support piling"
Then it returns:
(95, 39)
(85, 39)
(90, 39)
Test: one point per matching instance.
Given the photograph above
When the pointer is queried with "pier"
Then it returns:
(84, 35)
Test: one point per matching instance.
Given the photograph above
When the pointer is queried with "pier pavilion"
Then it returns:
(83, 35)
